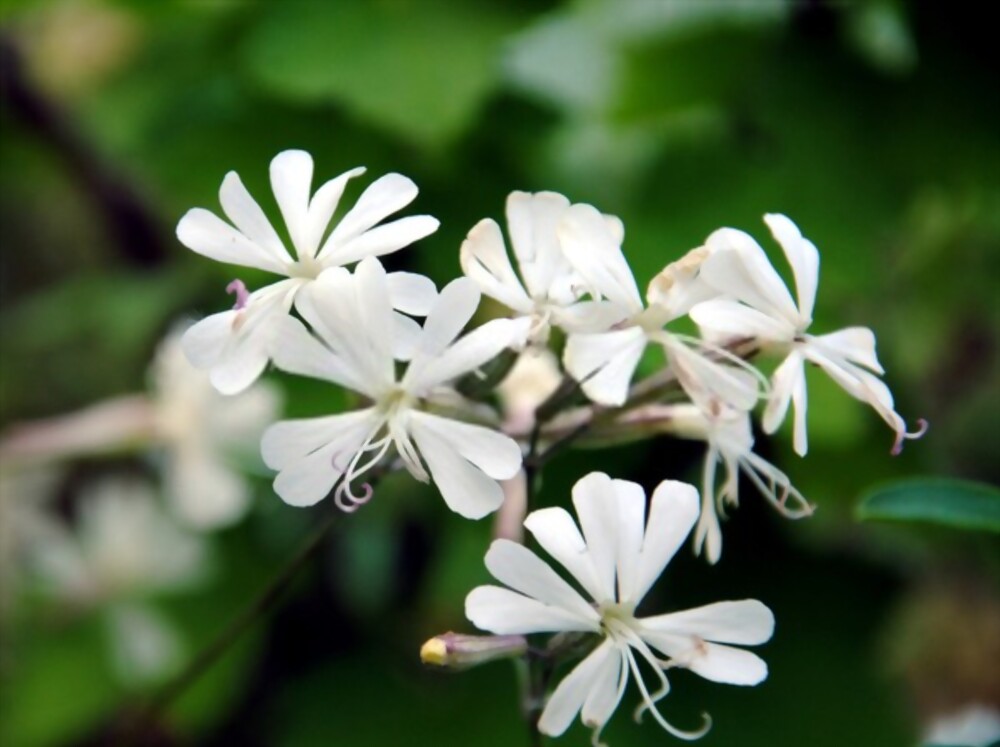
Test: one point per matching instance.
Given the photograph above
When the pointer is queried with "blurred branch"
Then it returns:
(136, 728)
(136, 228)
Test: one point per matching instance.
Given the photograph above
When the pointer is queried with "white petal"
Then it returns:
(241, 208)
(609, 686)
(242, 366)
(405, 337)
(382, 198)
(571, 693)
(558, 535)
(746, 622)
(856, 344)
(591, 249)
(739, 267)
(374, 333)
(307, 476)
(594, 500)
(708, 534)
(506, 612)
(673, 510)
(298, 352)
(321, 209)
(803, 256)
(788, 386)
(412, 293)
(478, 347)
(310, 479)
(603, 363)
(203, 341)
(384, 239)
(630, 499)
(589, 316)
(353, 316)
(725, 319)
(236, 345)
(713, 661)
(290, 440)
(291, 181)
(494, 453)
(863, 385)
(453, 309)
(465, 462)
(523, 571)
(615, 227)
(205, 233)
(679, 286)
(533, 220)
(705, 379)
(484, 260)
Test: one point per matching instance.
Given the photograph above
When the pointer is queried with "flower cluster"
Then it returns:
(572, 343)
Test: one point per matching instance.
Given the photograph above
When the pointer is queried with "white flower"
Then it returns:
(616, 560)
(551, 292)
(604, 362)
(729, 436)
(235, 345)
(201, 432)
(759, 305)
(353, 318)
(124, 545)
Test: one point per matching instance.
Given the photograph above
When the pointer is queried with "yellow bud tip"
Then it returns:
(434, 652)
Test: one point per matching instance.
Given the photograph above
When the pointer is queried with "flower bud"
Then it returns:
(457, 652)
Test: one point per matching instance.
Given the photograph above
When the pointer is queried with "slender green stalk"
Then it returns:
(263, 603)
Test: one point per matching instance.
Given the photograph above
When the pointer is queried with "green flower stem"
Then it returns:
(265, 601)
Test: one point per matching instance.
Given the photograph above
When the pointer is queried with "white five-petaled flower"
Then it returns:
(604, 362)
(352, 316)
(729, 437)
(549, 291)
(616, 560)
(235, 345)
(757, 303)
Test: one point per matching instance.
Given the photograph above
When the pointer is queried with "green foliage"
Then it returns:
(961, 504)
(871, 124)
(421, 70)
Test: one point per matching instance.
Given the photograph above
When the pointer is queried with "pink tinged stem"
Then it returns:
(238, 287)
(897, 447)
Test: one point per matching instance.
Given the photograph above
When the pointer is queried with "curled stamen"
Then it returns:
(238, 287)
(903, 435)
(347, 502)
(651, 707)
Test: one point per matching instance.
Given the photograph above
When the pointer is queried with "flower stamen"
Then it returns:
(239, 288)
(903, 435)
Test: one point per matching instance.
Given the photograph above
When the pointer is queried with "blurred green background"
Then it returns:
(874, 125)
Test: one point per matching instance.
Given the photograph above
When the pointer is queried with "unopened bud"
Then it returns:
(456, 651)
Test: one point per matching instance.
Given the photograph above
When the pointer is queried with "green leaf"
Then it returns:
(956, 503)
(421, 70)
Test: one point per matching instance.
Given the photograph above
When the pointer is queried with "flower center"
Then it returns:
(618, 620)
(306, 268)
(393, 401)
